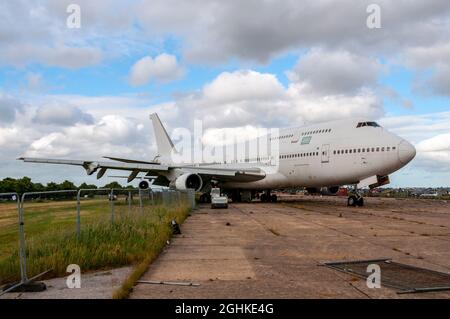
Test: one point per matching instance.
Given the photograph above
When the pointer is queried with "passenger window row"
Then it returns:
(317, 132)
(303, 134)
(365, 150)
(281, 137)
(297, 155)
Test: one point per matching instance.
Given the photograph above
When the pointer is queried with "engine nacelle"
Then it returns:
(189, 181)
(312, 190)
(144, 184)
(333, 189)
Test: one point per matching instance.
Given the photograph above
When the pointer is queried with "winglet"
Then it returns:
(163, 141)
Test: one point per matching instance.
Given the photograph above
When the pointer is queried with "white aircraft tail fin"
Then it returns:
(163, 141)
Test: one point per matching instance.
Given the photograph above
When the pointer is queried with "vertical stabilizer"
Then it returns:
(163, 141)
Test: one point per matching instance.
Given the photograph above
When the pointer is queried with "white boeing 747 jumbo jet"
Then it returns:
(331, 154)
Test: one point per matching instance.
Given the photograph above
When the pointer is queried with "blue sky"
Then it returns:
(232, 65)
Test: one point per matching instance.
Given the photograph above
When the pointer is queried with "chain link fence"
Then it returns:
(38, 225)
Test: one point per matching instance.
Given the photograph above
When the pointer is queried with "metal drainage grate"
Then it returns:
(408, 279)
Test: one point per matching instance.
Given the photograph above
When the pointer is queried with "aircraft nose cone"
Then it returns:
(406, 152)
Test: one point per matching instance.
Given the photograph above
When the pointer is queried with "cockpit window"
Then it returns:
(373, 124)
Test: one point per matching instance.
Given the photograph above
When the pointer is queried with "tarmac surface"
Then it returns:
(94, 285)
(265, 250)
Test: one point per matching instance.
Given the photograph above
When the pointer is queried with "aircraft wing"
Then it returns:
(93, 166)
(225, 174)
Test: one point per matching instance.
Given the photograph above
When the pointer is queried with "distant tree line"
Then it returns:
(25, 185)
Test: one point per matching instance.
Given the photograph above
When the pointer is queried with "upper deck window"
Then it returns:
(373, 124)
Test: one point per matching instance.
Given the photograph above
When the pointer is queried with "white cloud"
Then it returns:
(219, 31)
(111, 134)
(431, 58)
(162, 69)
(61, 114)
(436, 149)
(335, 72)
(246, 97)
(243, 85)
(9, 107)
(430, 133)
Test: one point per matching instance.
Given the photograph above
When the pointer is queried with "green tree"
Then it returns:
(67, 185)
(52, 186)
(24, 185)
(113, 185)
(87, 186)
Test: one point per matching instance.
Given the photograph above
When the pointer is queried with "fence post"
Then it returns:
(78, 215)
(112, 205)
(129, 202)
(140, 201)
(192, 195)
(22, 248)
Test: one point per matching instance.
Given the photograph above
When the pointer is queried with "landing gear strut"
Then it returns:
(266, 197)
(205, 198)
(355, 199)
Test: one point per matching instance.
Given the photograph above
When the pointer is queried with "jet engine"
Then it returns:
(333, 189)
(312, 190)
(189, 180)
(144, 184)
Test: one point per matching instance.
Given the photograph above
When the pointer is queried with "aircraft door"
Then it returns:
(325, 153)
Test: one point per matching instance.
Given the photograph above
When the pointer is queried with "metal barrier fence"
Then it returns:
(145, 198)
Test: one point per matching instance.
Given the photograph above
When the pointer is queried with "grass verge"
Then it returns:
(135, 238)
(127, 286)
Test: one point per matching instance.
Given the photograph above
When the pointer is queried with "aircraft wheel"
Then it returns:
(273, 198)
(360, 202)
(351, 201)
(205, 198)
(263, 198)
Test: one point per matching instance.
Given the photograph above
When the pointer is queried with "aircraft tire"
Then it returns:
(360, 202)
(351, 201)
(263, 198)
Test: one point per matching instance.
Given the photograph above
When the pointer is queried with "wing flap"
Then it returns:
(126, 160)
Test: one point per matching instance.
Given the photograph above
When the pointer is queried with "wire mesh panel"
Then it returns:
(9, 238)
(92, 228)
(397, 275)
(49, 224)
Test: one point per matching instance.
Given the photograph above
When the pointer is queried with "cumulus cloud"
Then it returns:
(246, 97)
(162, 69)
(220, 30)
(213, 31)
(111, 134)
(9, 107)
(434, 153)
(42, 36)
(64, 115)
(60, 56)
(430, 133)
(335, 72)
(243, 85)
(434, 59)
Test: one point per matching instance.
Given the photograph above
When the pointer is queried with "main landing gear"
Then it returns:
(355, 199)
(205, 198)
(266, 197)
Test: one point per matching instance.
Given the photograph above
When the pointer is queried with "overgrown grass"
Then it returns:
(134, 238)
